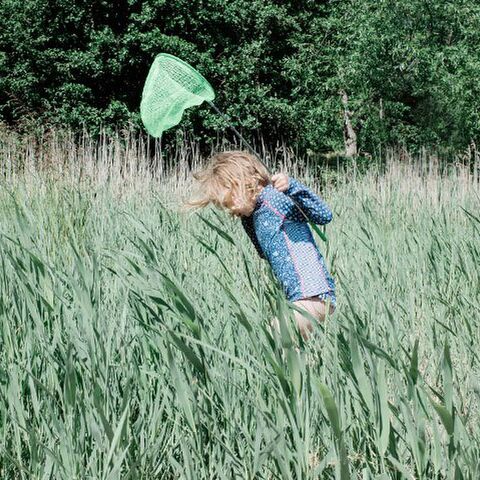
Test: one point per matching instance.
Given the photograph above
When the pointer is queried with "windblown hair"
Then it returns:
(227, 173)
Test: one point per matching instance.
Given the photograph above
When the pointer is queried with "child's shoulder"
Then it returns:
(274, 199)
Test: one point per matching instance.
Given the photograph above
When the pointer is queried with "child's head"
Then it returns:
(231, 180)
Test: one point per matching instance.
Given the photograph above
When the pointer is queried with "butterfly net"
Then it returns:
(171, 86)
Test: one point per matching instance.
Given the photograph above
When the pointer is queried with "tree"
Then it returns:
(324, 75)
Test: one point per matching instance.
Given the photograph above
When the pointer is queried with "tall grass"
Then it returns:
(134, 339)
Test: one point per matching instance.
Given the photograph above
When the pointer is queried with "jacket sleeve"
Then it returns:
(314, 207)
(247, 223)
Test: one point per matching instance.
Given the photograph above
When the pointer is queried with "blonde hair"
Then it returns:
(229, 172)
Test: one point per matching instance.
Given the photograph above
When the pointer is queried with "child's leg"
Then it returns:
(316, 307)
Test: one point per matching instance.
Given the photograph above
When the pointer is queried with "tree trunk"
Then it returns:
(349, 135)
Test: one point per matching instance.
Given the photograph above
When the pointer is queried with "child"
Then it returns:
(238, 182)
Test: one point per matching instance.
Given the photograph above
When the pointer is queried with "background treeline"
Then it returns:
(322, 75)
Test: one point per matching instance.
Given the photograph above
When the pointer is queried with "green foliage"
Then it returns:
(135, 340)
(410, 68)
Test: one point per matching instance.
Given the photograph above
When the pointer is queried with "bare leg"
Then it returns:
(315, 307)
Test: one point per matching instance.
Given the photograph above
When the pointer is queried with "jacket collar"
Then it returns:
(261, 196)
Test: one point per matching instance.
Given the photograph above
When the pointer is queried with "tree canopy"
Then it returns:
(397, 71)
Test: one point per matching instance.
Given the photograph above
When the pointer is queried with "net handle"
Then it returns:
(239, 135)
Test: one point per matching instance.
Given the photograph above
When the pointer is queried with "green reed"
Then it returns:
(135, 339)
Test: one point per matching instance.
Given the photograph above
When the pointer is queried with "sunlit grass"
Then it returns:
(134, 339)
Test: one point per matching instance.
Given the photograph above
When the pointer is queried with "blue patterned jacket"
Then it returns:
(282, 236)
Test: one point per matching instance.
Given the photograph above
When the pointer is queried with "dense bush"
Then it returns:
(409, 69)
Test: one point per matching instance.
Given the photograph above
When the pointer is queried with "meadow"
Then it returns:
(135, 339)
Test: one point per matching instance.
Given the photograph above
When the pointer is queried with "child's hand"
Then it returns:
(280, 181)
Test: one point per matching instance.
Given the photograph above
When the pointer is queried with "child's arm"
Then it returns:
(314, 207)
(247, 223)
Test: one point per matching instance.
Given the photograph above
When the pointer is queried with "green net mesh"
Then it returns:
(171, 86)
